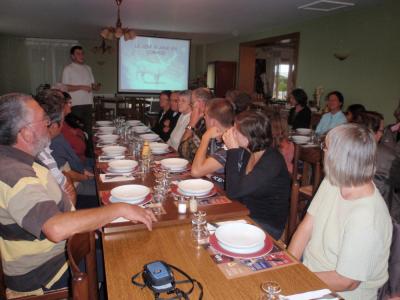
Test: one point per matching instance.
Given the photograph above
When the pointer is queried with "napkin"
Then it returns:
(122, 177)
(309, 145)
(318, 294)
(106, 158)
(211, 228)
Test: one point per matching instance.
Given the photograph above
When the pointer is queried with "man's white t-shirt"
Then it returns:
(77, 74)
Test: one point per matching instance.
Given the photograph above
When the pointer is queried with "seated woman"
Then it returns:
(335, 116)
(386, 163)
(346, 234)
(300, 114)
(281, 142)
(185, 109)
(256, 173)
(353, 111)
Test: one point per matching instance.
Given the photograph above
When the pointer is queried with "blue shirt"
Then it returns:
(63, 153)
(329, 121)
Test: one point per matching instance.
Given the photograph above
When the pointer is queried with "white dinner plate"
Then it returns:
(195, 187)
(130, 192)
(300, 139)
(242, 250)
(151, 137)
(303, 131)
(159, 148)
(108, 137)
(121, 165)
(140, 129)
(174, 164)
(103, 123)
(114, 150)
(133, 122)
(240, 235)
(116, 200)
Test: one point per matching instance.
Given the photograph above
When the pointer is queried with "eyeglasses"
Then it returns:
(45, 119)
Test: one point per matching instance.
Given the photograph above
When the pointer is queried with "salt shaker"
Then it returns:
(182, 206)
(193, 204)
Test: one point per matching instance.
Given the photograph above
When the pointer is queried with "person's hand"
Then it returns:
(86, 88)
(96, 86)
(196, 115)
(88, 174)
(165, 129)
(70, 191)
(136, 214)
(213, 132)
(229, 139)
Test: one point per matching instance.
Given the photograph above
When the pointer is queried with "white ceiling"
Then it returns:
(204, 21)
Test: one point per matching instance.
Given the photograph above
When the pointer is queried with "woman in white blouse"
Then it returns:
(185, 108)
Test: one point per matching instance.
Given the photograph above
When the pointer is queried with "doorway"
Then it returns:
(268, 67)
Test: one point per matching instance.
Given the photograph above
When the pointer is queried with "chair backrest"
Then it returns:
(81, 248)
(315, 118)
(311, 159)
(391, 288)
(304, 185)
(49, 295)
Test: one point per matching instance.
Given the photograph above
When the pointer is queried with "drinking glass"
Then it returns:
(272, 290)
(157, 200)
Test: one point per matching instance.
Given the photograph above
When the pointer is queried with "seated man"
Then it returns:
(211, 154)
(67, 160)
(195, 129)
(35, 215)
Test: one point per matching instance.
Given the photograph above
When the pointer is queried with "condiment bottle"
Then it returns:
(193, 204)
(182, 206)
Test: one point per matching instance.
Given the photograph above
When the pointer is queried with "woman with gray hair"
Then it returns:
(346, 234)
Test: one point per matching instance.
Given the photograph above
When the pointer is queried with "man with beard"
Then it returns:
(35, 215)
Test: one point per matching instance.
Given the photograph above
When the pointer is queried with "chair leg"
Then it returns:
(294, 200)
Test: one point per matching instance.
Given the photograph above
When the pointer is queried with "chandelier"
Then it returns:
(116, 32)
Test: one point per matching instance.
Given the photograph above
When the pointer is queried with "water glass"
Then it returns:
(272, 290)
(157, 200)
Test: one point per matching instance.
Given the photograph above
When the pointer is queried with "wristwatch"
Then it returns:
(190, 128)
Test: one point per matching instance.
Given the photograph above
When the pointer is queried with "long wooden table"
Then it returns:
(126, 253)
(233, 209)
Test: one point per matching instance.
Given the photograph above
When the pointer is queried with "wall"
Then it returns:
(369, 76)
(15, 65)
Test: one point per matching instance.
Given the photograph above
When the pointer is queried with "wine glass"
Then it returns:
(272, 290)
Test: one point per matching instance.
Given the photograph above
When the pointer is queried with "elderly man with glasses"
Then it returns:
(35, 215)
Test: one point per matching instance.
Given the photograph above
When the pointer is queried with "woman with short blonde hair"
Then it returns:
(346, 234)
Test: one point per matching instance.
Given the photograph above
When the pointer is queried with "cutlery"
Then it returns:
(110, 176)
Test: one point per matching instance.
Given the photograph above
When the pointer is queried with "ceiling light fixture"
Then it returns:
(118, 31)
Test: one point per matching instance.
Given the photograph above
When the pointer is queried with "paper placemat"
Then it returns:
(235, 268)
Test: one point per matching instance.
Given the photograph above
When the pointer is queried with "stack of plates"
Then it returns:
(103, 123)
(240, 238)
(300, 139)
(303, 131)
(159, 148)
(106, 129)
(195, 187)
(150, 137)
(174, 164)
(131, 193)
(133, 122)
(108, 138)
(122, 166)
(114, 150)
(140, 129)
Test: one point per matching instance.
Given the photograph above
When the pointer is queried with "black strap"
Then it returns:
(179, 293)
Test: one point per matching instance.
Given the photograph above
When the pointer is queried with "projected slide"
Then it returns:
(149, 64)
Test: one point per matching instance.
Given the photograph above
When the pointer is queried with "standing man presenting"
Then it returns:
(79, 81)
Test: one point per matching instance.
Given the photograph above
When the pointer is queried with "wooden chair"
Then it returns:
(49, 295)
(304, 185)
(100, 111)
(81, 247)
(315, 118)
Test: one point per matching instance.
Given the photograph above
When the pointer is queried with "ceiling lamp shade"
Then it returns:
(110, 33)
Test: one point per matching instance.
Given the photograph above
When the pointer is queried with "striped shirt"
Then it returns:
(29, 196)
(48, 159)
